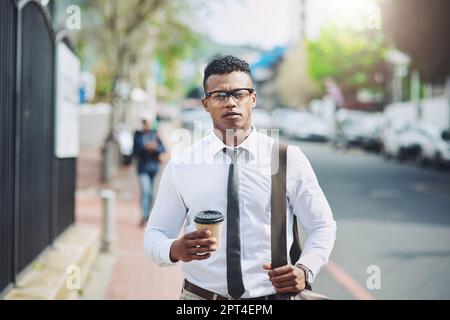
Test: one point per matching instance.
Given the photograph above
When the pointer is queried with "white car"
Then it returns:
(434, 144)
(358, 129)
(305, 126)
(280, 118)
(417, 140)
(399, 141)
(261, 119)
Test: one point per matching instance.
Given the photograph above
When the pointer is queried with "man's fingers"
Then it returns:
(283, 278)
(284, 284)
(199, 257)
(202, 242)
(198, 234)
(267, 266)
(280, 271)
(201, 250)
(287, 290)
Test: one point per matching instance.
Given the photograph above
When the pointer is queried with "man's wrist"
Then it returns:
(308, 274)
(172, 254)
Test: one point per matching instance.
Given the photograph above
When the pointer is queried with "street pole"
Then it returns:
(447, 89)
(415, 93)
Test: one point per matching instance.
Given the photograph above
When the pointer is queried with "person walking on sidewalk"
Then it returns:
(203, 177)
(147, 148)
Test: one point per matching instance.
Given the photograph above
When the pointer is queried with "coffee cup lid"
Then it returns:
(208, 217)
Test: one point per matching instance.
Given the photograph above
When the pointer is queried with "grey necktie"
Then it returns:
(234, 270)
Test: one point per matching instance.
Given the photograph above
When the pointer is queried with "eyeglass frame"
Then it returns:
(230, 93)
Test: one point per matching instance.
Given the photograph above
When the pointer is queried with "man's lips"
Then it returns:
(230, 114)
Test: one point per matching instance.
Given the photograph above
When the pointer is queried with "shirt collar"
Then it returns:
(250, 144)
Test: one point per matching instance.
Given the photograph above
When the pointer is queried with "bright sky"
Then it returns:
(258, 22)
(267, 23)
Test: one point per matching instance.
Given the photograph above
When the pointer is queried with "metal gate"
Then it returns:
(37, 190)
(35, 109)
(65, 188)
(8, 32)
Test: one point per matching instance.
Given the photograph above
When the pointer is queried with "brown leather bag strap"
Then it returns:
(278, 205)
(278, 211)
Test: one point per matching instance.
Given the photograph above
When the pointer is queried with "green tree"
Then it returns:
(176, 41)
(124, 36)
(350, 56)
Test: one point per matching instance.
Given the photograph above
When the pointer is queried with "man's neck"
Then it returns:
(233, 137)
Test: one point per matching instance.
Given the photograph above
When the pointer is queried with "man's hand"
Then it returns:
(286, 279)
(151, 146)
(187, 247)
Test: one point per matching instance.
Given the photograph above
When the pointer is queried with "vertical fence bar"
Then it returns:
(53, 200)
(8, 32)
(17, 143)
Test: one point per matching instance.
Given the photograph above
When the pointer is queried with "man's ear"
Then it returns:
(254, 99)
(205, 104)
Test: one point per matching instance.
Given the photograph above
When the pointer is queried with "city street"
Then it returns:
(97, 96)
(390, 215)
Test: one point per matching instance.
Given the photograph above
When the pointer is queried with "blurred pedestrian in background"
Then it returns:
(147, 148)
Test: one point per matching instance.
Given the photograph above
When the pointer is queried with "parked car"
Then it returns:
(358, 129)
(308, 127)
(188, 116)
(434, 144)
(261, 119)
(196, 119)
(168, 112)
(279, 119)
(417, 140)
(399, 141)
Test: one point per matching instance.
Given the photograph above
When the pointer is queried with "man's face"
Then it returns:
(145, 125)
(233, 113)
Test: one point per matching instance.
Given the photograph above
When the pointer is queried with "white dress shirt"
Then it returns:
(196, 180)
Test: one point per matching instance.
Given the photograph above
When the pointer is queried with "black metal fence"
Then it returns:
(37, 189)
(8, 32)
(65, 193)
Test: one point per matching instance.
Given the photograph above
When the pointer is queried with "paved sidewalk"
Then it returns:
(127, 273)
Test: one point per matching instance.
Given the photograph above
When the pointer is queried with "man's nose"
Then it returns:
(230, 102)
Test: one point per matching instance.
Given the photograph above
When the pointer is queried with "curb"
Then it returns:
(61, 271)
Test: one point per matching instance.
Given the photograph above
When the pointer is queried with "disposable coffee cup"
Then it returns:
(210, 220)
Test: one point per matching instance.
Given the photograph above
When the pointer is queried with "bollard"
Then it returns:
(107, 161)
(108, 228)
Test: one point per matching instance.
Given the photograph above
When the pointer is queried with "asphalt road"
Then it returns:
(393, 218)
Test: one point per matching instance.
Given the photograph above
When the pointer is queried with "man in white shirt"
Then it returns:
(197, 179)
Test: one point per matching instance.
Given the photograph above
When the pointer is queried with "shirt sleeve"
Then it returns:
(309, 204)
(166, 218)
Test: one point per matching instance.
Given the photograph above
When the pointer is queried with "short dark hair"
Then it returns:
(223, 65)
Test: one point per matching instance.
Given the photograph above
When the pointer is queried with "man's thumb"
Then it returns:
(267, 266)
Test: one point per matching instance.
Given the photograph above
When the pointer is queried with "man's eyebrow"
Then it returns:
(240, 88)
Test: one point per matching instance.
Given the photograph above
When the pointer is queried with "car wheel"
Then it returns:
(422, 158)
(400, 155)
(386, 155)
(437, 161)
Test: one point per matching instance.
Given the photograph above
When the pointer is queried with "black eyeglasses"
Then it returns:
(239, 95)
